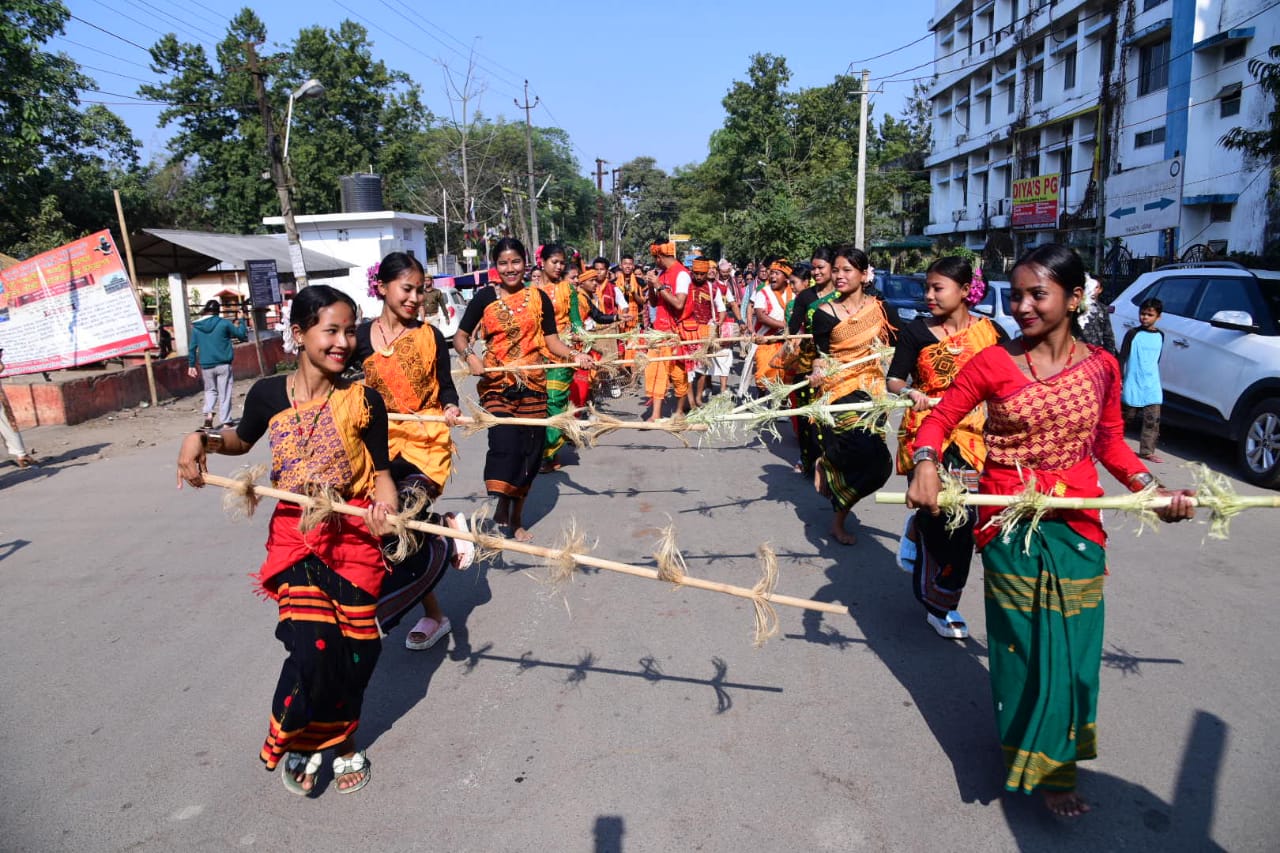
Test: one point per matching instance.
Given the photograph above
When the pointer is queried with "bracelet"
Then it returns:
(1143, 479)
(925, 454)
(210, 440)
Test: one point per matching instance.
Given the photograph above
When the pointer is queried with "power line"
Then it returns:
(179, 23)
(146, 50)
(891, 52)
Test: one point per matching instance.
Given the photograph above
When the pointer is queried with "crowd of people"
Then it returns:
(990, 412)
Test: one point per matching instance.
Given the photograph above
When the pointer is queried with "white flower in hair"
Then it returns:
(1086, 302)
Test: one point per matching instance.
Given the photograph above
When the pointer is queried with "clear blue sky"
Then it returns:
(624, 80)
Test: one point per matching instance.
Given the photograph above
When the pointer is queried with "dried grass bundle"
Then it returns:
(672, 567)
(562, 562)
(407, 540)
(241, 499)
(318, 507)
(767, 624)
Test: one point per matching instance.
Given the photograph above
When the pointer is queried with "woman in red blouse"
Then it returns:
(1053, 407)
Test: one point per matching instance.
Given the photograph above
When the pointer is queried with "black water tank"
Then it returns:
(361, 193)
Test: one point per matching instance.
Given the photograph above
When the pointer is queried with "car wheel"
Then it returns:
(1259, 447)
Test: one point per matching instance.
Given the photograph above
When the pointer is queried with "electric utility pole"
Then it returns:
(280, 175)
(860, 229)
(528, 145)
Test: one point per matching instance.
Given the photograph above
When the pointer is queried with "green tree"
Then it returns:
(369, 116)
(58, 163)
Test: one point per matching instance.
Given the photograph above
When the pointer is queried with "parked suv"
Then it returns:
(1220, 366)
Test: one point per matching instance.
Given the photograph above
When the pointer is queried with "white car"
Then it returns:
(450, 314)
(995, 306)
(1220, 366)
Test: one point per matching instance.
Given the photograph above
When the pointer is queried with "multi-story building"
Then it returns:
(1037, 105)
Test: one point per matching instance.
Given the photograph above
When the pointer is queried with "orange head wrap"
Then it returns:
(660, 249)
(588, 275)
(701, 265)
(782, 265)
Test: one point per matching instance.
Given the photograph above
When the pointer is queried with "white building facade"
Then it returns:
(1037, 105)
(362, 239)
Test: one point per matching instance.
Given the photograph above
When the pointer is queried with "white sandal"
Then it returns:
(300, 762)
(464, 551)
(951, 626)
(357, 763)
(433, 630)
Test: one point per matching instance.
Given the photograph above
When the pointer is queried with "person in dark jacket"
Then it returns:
(212, 338)
(1095, 325)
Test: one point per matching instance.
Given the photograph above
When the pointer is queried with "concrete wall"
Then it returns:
(78, 399)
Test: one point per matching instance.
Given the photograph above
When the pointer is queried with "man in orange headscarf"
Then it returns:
(669, 294)
(634, 287)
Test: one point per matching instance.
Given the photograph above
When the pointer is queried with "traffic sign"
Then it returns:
(1144, 199)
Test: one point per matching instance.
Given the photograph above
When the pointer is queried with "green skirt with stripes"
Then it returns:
(558, 381)
(1045, 611)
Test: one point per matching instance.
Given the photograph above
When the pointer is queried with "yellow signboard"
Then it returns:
(1035, 201)
(680, 238)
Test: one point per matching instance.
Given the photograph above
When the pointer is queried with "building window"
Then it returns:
(1069, 71)
(1220, 212)
(1065, 179)
(986, 109)
(1037, 84)
(1148, 5)
(1013, 90)
(343, 235)
(1233, 52)
(1229, 105)
(1153, 67)
(1104, 58)
(407, 233)
(1154, 136)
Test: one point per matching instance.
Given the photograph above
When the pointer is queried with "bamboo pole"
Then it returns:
(626, 362)
(248, 488)
(133, 281)
(587, 424)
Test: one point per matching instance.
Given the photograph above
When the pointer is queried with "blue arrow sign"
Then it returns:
(1158, 205)
(1122, 212)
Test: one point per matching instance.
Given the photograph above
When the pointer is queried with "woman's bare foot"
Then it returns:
(838, 533)
(522, 535)
(1065, 803)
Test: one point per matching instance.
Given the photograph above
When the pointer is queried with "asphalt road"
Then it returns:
(623, 715)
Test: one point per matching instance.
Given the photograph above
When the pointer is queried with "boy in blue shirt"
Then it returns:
(1140, 362)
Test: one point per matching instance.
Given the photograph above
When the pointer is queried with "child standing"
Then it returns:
(1140, 360)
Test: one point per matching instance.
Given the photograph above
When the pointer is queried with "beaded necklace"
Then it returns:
(297, 417)
(1071, 354)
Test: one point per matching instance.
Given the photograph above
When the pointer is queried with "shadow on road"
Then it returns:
(608, 833)
(576, 673)
(49, 465)
(403, 677)
(1128, 816)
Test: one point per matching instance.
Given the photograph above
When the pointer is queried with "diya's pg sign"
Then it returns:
(1035, 202)
(70, 306)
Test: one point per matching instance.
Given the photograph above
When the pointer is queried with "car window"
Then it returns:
(1228, 294)
(989, 298)
(902, 287)
(1176, 292)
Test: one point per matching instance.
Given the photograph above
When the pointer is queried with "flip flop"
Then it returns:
(300, 762)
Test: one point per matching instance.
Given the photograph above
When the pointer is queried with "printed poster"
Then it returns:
(68, 307)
